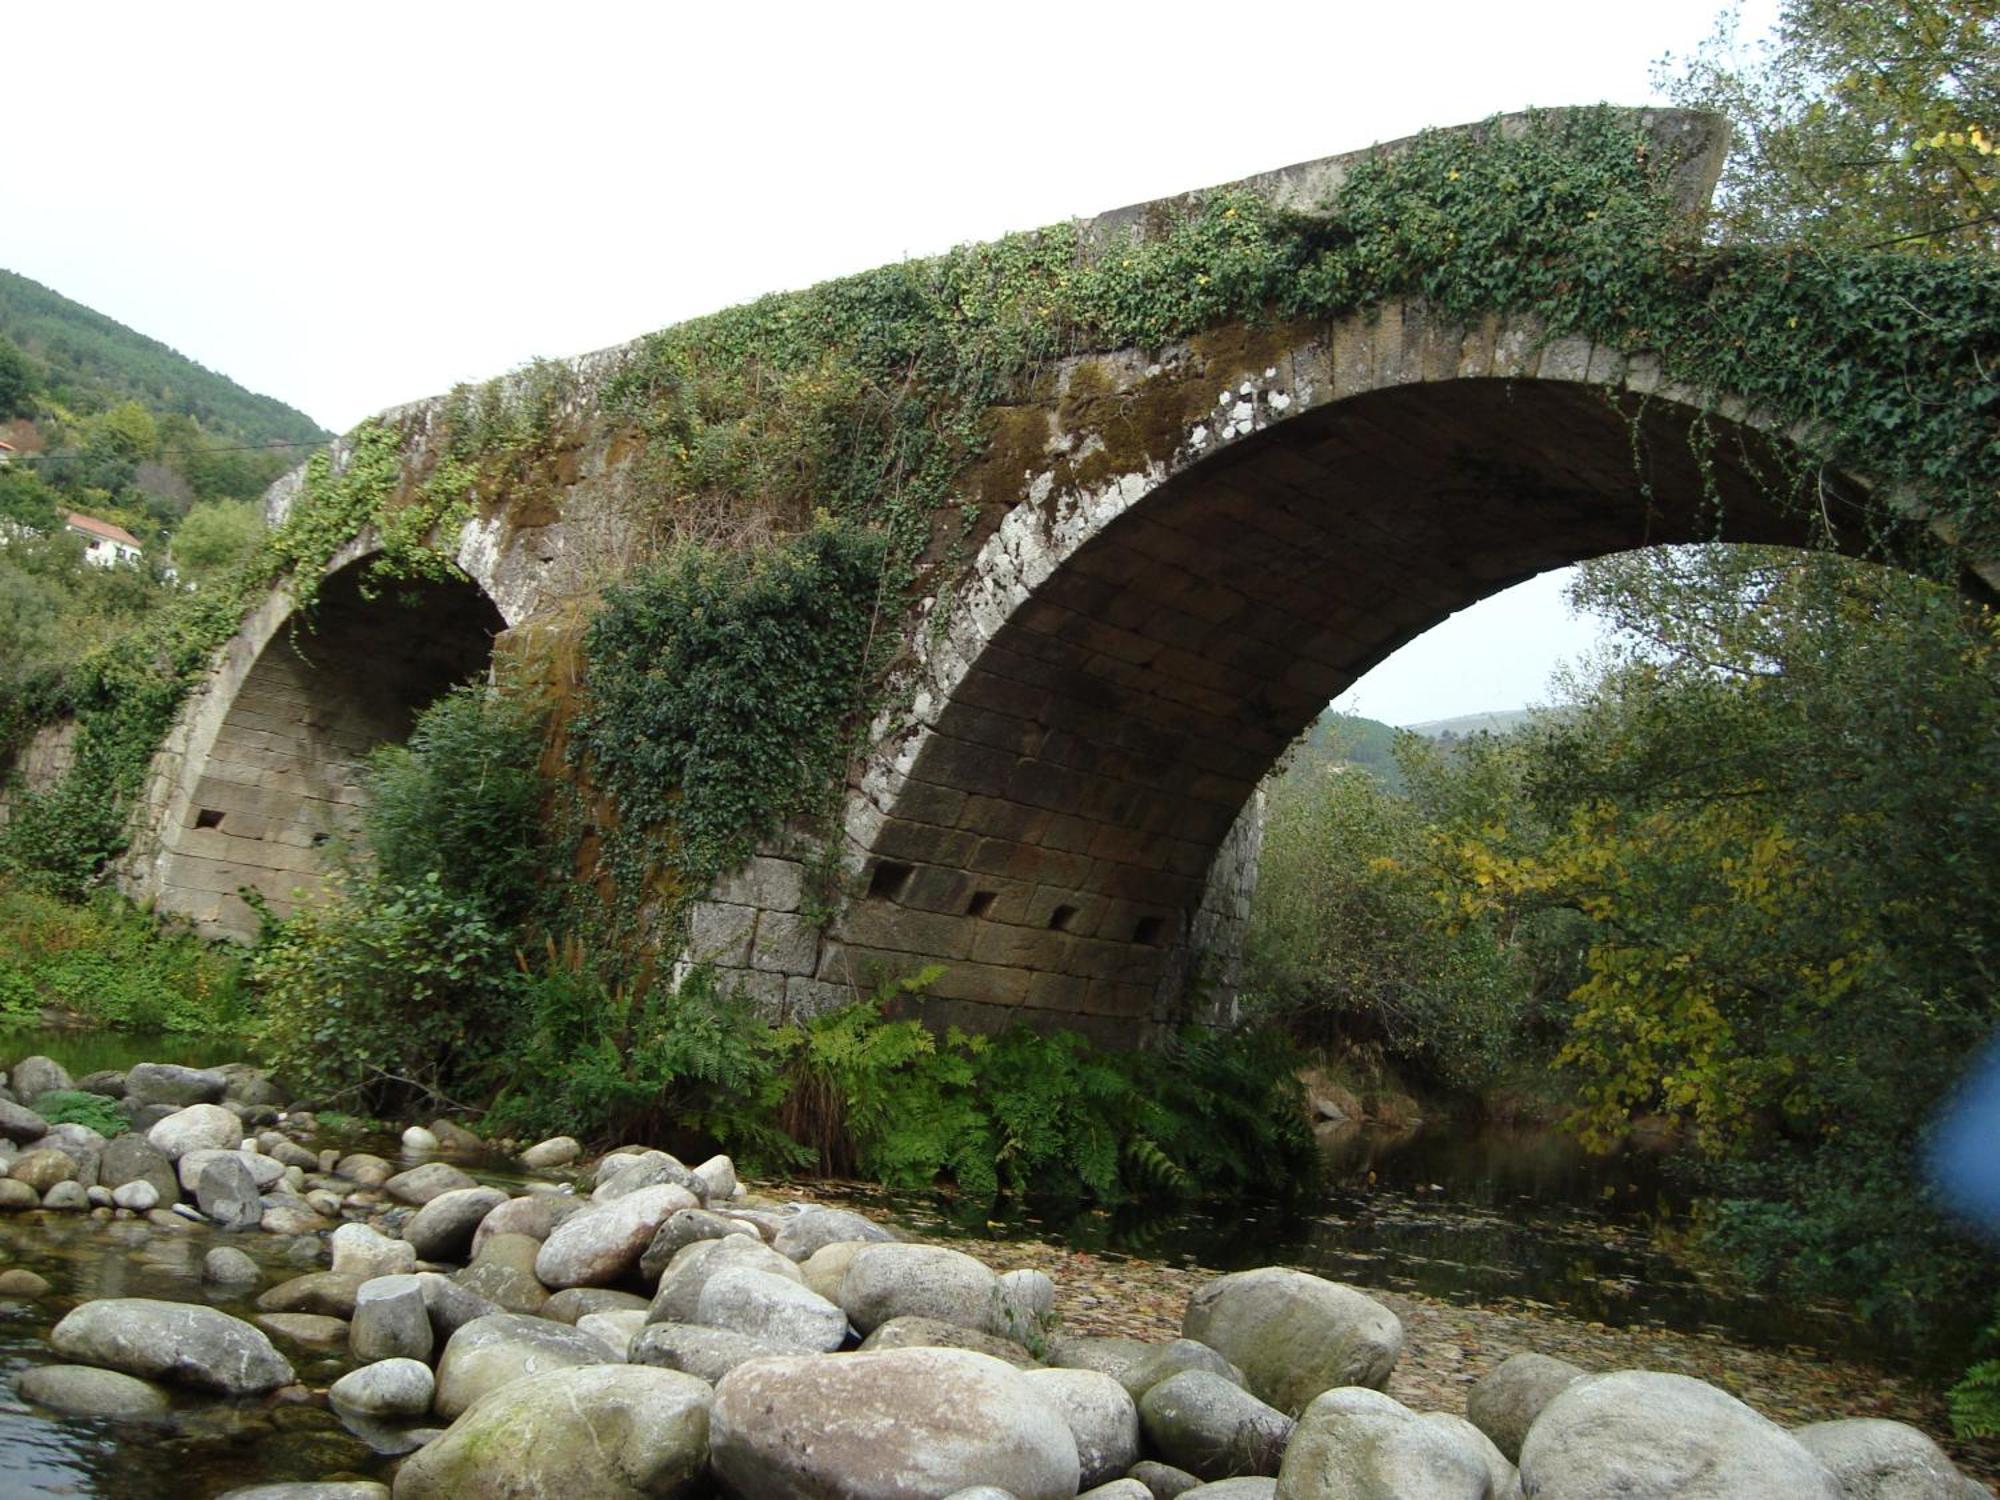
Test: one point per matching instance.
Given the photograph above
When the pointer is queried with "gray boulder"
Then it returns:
(169, 1083)
(67, 1197)
(265, 1171)
(581, 1301)
(389, 1390)
(80, 1391)
(135, 1197)
(421, 1184)
(534, 1215)
(1503, 1480)
(452, 1306)
(556, 1151)
(1874, 1459)
(615, 1329)
(131, 1158)
(364, 1251)
(367, 1169)
(1105, 1353)
(1164, 1361)
(1023, 1306)
(714, 1180)
(34, 1076)
(903, 1423)
(603, 1244)
(1202, 1423)
(329, 1293)
(612, 1432)
(1642, 1435)
(390, 1320)
(681, 1229)
(618, 1176)
(20, 1124)
(1248, 1488)
(227, 1193)
(110, 1082)
(491, 1352)
(1169, 1483)
(771, 1307)
(504, 1273)
(1101, 1417)
(1505, 1403)
(930, 1333)
(442, 1229)
(814, 1228)
(225, 1265)
(1294, 1335)
(924, 1281)
(198, 1127)
(709, 1353)
(1357, 1444)
(678, 1297)
(173, 1341)
(43, 1169)
(245, 1083)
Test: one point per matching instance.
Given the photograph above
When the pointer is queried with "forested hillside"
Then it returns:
(106, 422)
(89, 363)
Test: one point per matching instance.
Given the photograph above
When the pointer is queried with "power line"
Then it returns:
(60, 458)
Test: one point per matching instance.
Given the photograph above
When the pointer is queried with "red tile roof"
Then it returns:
(79, 522)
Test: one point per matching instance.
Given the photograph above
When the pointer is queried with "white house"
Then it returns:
(103, 543)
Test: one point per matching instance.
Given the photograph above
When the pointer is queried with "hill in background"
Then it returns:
(89, 363)
(1499, 721)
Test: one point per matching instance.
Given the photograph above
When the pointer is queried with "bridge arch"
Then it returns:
(262, 772)
(1210, 547)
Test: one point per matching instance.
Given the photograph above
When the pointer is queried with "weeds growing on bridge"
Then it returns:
(875, 398)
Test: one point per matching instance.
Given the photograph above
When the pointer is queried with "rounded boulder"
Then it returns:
(1643, 1435)
(898, 1425)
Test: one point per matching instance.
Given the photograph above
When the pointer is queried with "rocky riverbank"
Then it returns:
(635, 1326)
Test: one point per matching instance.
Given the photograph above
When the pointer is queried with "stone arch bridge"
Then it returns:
(1204, 546)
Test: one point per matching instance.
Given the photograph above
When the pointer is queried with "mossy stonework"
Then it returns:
(1148, 492)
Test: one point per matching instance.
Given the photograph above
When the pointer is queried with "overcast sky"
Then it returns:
(353, 205)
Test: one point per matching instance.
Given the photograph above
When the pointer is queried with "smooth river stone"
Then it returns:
(175, 1341)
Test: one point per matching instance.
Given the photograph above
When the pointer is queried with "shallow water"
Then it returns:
(1476, 1216)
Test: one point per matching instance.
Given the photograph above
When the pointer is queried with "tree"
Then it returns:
(1774, 803)
(1865, 126)
(215, 536)
(17, 381)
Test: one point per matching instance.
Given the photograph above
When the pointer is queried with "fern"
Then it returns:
(1975, 1401)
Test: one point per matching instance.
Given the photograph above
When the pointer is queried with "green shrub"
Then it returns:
(593, 1059)
(721, 688)
(114, 964)
(387, 996)
(460, 801)
(1034, 1115)
(76, 1107)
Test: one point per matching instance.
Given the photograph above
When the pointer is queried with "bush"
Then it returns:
(459, 801)
(387, 996)
(722, 685)
(1031, 1115)
(1351, 942)
(593, 1059)
(115, 964)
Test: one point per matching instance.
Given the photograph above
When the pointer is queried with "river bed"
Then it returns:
(1485, 1243)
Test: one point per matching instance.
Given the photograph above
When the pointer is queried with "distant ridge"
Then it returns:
(1498, 721)
(91, 362)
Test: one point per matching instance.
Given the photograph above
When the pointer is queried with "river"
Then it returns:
(1475, 1217)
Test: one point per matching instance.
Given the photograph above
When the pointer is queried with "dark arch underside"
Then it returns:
(283, 779)
(1054, 836)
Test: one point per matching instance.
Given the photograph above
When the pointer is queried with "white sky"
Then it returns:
(357, 204)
